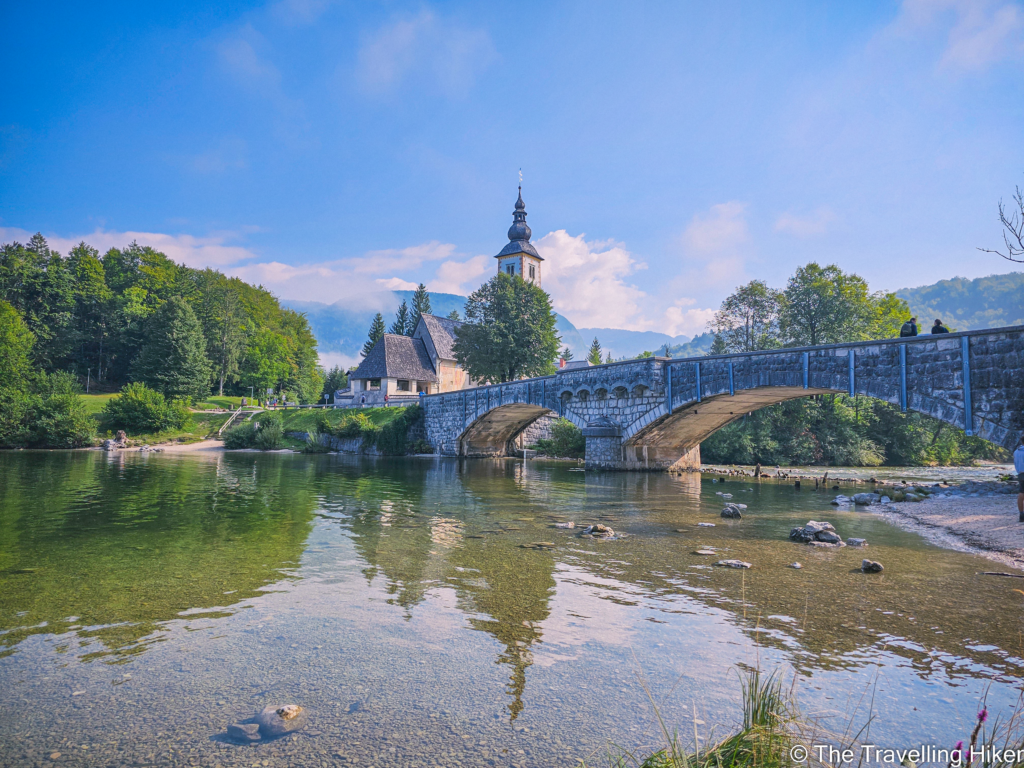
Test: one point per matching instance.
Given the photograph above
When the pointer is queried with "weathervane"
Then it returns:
(520, 178)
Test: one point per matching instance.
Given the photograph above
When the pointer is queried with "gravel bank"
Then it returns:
(986, 525)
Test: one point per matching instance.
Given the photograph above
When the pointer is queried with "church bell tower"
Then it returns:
(519, 257)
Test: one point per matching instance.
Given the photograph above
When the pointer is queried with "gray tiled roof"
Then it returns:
(442, 332)
(396, 357)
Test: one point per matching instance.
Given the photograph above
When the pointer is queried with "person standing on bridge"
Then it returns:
(1018, 464)
(939, 327)
(909, 328)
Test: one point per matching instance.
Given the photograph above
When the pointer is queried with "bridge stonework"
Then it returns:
(653, 413)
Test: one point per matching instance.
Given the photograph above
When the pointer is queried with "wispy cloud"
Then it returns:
(979, 33)
(816, 223)
(451, 55)
(461, 277)
(299, 13)
(213, 250)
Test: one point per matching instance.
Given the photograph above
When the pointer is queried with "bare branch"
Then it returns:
(1013, 230)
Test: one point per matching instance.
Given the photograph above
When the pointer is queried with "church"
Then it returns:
(403, 367)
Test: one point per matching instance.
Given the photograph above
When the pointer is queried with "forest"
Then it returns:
(92, 322)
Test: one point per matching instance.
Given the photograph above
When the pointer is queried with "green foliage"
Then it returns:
(566, 354)
(241, 435)
(264, 431)
(510, 331)
(141, 410)
(594, 355)
(566, 441)
(173, 360)
(376, 332)
(748, 320)
(15, 347)
(314, 442)
(836, 430)
(391, 439)
(420, 307)
(454, 315)
(354, 426)
(403, 323)
(334, 380)
(93, 315)
(323, 422)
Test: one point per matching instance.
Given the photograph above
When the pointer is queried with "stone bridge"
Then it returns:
(653, 413)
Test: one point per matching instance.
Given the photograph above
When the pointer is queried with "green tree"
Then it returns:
(222, 315)
(267, 363)
(15, 349)
(58, 418)
(420, 306)
(510, 331)
(824, 305)
(594, 355)
(402, 324)
(748, 320)
(173, 360)
(376, 332)
(566, 354)
(335, 379)
(454, 315)
(608, 357)
(92, 308)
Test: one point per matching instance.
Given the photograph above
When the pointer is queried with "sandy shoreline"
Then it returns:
(202, 446)
(987, 526)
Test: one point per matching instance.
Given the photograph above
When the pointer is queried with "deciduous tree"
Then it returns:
(510, 331)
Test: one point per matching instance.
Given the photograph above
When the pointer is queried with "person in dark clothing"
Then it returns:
(939, 327)
(909, 328)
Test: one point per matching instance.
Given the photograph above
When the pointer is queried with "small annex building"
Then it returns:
(402, 367)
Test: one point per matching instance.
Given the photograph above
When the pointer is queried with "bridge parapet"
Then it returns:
(662, 408)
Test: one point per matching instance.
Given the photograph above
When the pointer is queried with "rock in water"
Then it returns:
(829, 537)
(732, 511)
(570, 525)
(704, 552)
(857, 542)
(870, 566)
(866, 498)
(244, 732)
(277, 721)
(705, 525)
(733, 564)
(599, 530)
(797, 566)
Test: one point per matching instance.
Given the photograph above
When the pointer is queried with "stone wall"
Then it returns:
(662, 409)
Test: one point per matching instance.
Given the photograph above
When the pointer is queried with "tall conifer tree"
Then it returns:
(376, 331)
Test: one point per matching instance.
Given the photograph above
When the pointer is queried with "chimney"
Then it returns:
(561, 362)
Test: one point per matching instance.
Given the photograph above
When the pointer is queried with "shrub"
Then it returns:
(240, 436)
(354, 426)
(323, 422)
(391, 439)
(61, 421)
(566, 441)
(270, 433)
(314, 443)
(139, 409)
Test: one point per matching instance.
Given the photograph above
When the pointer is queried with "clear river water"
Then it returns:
(147, 601)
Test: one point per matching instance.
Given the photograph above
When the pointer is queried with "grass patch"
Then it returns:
(305, 419)
(226, 402)
(96, 403)
(203, 426)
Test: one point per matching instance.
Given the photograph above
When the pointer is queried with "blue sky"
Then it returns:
(670, 151)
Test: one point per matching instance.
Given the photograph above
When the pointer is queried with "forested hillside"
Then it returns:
(965, 305)
(133, 315)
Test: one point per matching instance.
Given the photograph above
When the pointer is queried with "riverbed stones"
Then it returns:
(245, 732)
(278, 720)
(866, 499)
(733, 564)
(567, 526)
(795, 566)
(871, 566)
(857, 542)
(598, 530)
(704, 552)
(732, 511)
(705, 525)
(841, 500)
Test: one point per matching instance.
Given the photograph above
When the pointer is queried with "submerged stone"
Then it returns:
(733, 564)
(277, 721)
(870, 566)
(244, 731)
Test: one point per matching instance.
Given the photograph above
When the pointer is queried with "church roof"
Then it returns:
(442, 332)
(519, 233)
(396, 357)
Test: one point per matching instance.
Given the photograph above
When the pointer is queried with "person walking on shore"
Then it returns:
(939, 327)
(909, 328)
(1018, 464)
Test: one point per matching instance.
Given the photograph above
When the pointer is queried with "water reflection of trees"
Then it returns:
(937, 614)
(111, 547)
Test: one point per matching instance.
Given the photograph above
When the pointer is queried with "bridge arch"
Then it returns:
(492, 432)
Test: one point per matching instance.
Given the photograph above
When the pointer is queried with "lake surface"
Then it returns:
(148, 601)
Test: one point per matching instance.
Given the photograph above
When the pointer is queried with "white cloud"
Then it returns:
(453, 276)
(683, 317)
(587, 284)
(393, 259)
(980, 32)
(451, 55)
(805, 226)
(211, 251)
(723, 228)
(330, 359)
(397, 284)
